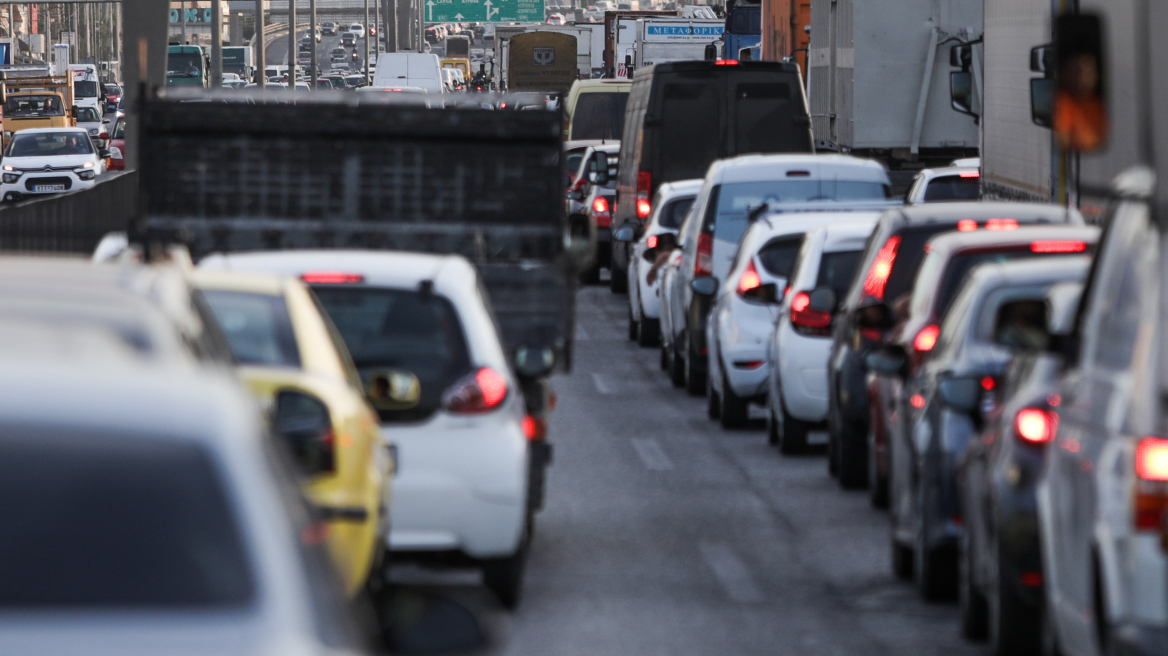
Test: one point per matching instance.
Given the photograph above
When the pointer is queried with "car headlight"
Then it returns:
(9, 178)
(87, 174)
(115, 152)
(93, 132)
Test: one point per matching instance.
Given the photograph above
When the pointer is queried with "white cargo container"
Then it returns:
(661, 40)
(879, 80)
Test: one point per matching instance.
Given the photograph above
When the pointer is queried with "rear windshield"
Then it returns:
(599, 115)
(953, 187)
(909, 255)
(398, 329)
(737, 199)
(105, 521)
(82, 89)
(961, 264)
(836, 271)
(257, 327)
(778, 256)
(673, 214)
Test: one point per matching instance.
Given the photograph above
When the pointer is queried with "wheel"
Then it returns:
(634, 325)
(853, 464)
(676, 367)
(902, 560)
(974, 612)
(591, 275)
(772, 427)
(832, 454)
(649, 331)
(695, 381)
(877, 484)
(935, 570)
(735, 410)
(504, 576)
(1014, 625)
(792, 433)
(713, 402)
(663, 360)
(618, 282)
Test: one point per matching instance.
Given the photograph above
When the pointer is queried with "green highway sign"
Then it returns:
(483, 11)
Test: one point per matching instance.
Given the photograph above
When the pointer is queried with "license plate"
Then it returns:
(45, 188)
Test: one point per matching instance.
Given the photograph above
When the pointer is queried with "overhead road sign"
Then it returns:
(484, 11)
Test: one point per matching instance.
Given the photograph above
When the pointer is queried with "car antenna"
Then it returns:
(755, 212)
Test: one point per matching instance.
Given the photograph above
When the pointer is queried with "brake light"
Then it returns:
(967, 225)
(643, 208)
(1035, 426)
(651, 242)
(917, 401)
(926, 339)
(1152, 459)
(1058, 246)
(704, 262)
(1151, 490)
(1001, 224)
(988, 383)
(970, 174)
(331, 277)
(726, 62)
(480, 391)
(534, 428)
(805, 320)
(749, 279)
(882, 268)
(600, 205)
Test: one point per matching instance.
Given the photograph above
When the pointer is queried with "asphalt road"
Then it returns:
(664, 534)
(276, 53)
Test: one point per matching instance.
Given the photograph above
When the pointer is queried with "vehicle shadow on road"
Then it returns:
(438, 616)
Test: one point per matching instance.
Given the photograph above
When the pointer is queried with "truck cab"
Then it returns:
(36, 102)
(186, 66)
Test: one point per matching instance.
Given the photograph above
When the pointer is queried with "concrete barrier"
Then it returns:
(70, 223)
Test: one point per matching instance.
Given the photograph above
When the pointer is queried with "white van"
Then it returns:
(87, 89)
(409, 69)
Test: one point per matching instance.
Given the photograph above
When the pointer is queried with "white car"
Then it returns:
(951, 183)
(49, 161)
(463, 481)
(358, 30)
(670, 208)
(746, 307)
(90, 120)
(800, 345)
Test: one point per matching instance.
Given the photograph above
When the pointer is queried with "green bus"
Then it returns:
(186, 66)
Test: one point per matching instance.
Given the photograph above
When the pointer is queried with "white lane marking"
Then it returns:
(604, 384)
(652, 454)
(731, 572)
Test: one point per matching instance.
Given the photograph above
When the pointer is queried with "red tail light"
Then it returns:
(967, 225)
(1035, 425)
(749, 279)
(331, 277)
(1058, 246)
(970, 174)
(1152, 459)
(726, 62)
(926, 339)
(1001, 224)
(807, 321)
(704, 262)
(476, 392)
(534, 428)
(917, 401)
(882, 268)
(643, 208)
(600, 205)
(651, 242)
(1151, 490)
(988, 383)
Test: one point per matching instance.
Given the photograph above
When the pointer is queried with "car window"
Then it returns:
(909, 255)
(953, 187)
(399, 329)
(27, 106)
(120, 129)
(673, 213)
(737, 199)
(45, 144)
(85, 89)
(836, 270)
(960, 266)
(157, 525)
(778, 255)
(1116, 304)
(87, 115)
(599, 115)
(257, 327)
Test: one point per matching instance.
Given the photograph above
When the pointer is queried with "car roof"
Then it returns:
(950, 170)
(849, 236)
(749, 168)
(240, 281)
(399, 269)
(991, 275)
(43, 130)
(668, 190)
(802, 222)
(953, 212)
(952, 242)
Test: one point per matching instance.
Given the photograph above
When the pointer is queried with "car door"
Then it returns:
(1093, 405)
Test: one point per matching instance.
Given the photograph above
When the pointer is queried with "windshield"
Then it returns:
(599, 115)
(120, 129)
(257, 327)
(184, 64)
(42, 144)
(737, 199)
(87, 115)
(390, 328)
(158, 527)
(83, 89)
(28, 106)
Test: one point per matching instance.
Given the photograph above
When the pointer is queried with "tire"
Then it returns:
(877, 484)
(591, 275)
(735, 410)
(935, 571)
(832, 454)
(772, 428)
(713, 401)
(504, 576)
(902, 561)
(634, 325)
(663, 360)
(974, 611)
(618, 282)
(793, 434)
(649, 331)
(853, 465)
(676, 368)
(695, 381)
(1014, 626)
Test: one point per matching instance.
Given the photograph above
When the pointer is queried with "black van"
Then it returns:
(681, 116)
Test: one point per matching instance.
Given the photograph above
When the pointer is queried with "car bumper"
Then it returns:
(802, 363)
(31, 184)
(649, 295)
(461, 484)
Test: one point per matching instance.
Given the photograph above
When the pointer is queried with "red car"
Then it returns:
(113, 93)
(117, 144)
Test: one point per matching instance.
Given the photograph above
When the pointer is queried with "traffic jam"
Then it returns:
(808, 328)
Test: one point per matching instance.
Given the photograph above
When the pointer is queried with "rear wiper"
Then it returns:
(752, 213)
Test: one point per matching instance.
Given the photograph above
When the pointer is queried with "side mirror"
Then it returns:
(301, 421)
(534, 362)
(961, 393)
(393, 389)
(889, 359)
(705, 285)
(103, 153)
(1022, 325)
(581, 241)
(822, 299)
(878, 316)
(1042, 92)
(1042, 59)
(961, 56)
(961, 91)
(105, 121)
(624, 233)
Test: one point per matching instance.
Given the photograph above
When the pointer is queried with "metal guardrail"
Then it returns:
(70, 223)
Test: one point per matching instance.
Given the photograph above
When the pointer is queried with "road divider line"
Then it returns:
(731, 572)
(652, 454)
(603, 384)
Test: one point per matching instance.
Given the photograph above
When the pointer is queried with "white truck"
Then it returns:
(87, 87)
(878, 77)
(660, 40)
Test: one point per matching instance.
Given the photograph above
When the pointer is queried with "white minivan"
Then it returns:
(409, 69)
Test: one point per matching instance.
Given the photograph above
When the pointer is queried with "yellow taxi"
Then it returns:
(290, 355)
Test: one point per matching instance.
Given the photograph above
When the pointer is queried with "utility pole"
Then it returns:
(377, 19)
(312, 42)
(367, 31)
(292, 46)
(182, 19)
(258, 41)
(390, 13)
(216, 44)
